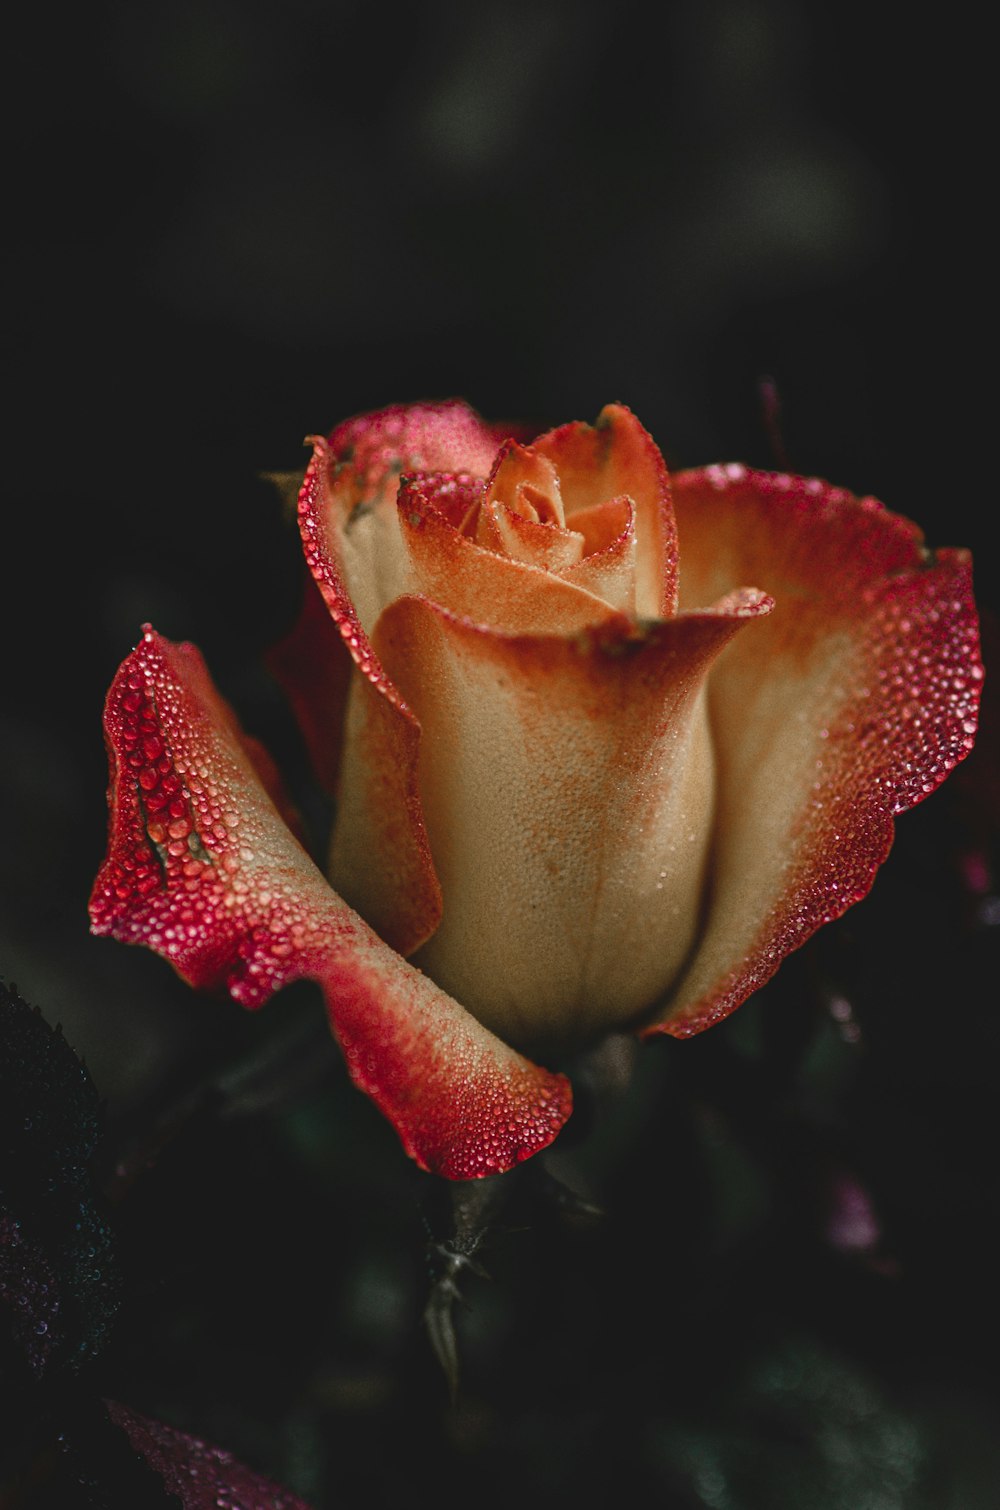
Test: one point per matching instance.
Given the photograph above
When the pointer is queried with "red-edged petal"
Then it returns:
(849, 705)
(351, 538)
(356, 515)
(378, 801)
(616, 457)
(431, 437)
(201, 869)
(567, 784)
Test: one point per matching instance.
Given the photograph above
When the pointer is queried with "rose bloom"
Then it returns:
(606, 746)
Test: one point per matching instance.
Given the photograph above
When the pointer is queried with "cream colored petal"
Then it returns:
(567, 785)
(378, 804)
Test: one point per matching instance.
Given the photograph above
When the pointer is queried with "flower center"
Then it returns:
(520, 513)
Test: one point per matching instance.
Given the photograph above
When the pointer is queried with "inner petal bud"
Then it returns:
(528, 484)
(517, 517)
(608, 564)
(537, 542)
(531, 503)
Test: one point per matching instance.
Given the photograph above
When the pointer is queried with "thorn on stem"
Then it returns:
(439, 1312)
(471, 1206)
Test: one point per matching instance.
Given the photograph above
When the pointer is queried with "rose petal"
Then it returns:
(478, 583)
(849, 705)
(201, 869)
(616, 457)
(351, 538)
(545, 545)
(608, 567)
(377, 797)
(357, 502)
(528, 483)
(432, 437)
(455, 495)
(567, 785)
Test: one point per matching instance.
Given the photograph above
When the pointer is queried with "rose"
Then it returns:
(605, 750)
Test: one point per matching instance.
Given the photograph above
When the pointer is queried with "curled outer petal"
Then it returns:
(849, 705)
(378, 796)
(202, 869)
(350, 536)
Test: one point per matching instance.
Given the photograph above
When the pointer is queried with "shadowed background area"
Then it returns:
(237, 223)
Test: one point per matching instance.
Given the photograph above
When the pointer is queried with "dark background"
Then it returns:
(234, 224)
